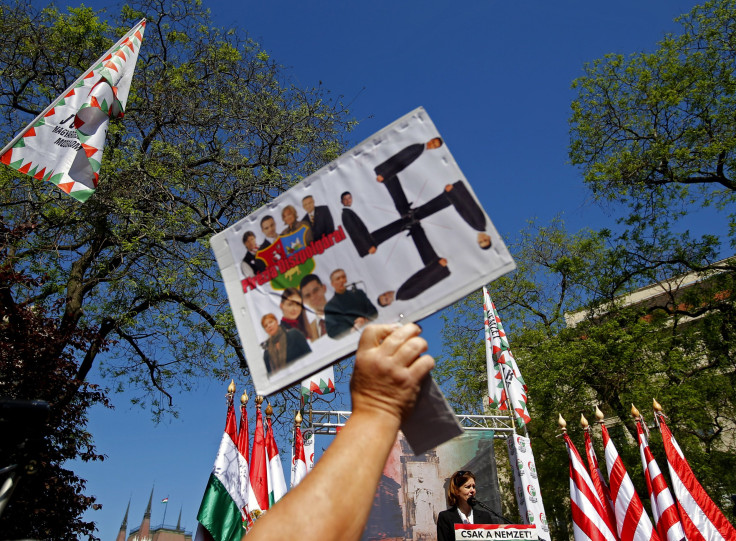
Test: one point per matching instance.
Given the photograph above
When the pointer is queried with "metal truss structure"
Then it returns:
(329, 422)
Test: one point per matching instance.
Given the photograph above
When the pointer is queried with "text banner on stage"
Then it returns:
(495, 531)
(391, 231)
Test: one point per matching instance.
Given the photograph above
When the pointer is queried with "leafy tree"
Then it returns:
(48, 502)
(656, 130)
(677, 348)
(213, 129)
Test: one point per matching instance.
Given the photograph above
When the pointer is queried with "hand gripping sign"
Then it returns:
(389, 232)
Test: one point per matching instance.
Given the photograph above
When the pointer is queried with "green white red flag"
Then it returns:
(246, 490)
(220, 512)
(323, 382)
(64, 143)
(496, 391)
(276, 481)
(504, 365)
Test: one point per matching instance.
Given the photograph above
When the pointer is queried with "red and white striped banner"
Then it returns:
(588, 513)
(632, 522)
(663, 505)
(601, 487)
(701, 518)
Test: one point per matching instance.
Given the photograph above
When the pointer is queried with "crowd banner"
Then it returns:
(391, 231)
(528, 493)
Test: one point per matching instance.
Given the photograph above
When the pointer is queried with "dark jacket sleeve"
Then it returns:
(446, 526)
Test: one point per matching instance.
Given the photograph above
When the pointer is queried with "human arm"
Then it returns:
(445, 527)
(389, 369)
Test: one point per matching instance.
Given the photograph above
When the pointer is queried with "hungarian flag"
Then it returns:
(276, 481)
(320, 383)
(220, 511)
(64, 143)
(505, 364)
(496, 392)
(298, 459)
(599, 482)
(663, 505)
(245, 488)
(588, 513)
(259, 463)
(632, 522)
(701, 518)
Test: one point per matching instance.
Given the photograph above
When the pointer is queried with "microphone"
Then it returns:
(472, 502)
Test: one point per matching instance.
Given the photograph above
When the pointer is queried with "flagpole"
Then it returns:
(63, 94)
(166, 506)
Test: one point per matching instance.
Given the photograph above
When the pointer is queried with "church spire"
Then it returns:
(148, 508)
(124, 525)
(178, 522)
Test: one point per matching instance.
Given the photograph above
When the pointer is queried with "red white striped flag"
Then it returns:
(663, 505)
(588, 514)
(701, 518)
(299, 459)
(259, 463)
(632, 522)
(601, 487)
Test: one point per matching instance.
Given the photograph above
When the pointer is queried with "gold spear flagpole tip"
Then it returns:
(634, 411)
(298, 417)
(269, 410)
(657, 405)
(599, 414)
(561, 422)
(231, 387)
(244, 398)
(583, 421)
(259, 401)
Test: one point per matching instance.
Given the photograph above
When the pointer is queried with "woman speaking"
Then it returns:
(459, 491)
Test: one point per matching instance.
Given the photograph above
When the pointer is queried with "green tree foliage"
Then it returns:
(657, 130)
(49, 501)
(579, 344)
(213, 129)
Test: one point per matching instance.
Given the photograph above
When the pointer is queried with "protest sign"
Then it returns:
(391, 231)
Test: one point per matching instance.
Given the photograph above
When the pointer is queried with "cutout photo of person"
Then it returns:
(313, 293)
(318, 217)
(294, 316)
(386, 298)
(346, 198)
(349, 309)
(283, 346)
(250, 266)
(268, 227)
(288, 215)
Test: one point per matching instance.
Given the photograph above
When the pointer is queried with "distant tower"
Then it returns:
(124, 525)
(145, 532)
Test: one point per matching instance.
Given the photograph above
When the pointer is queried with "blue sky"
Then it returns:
(495, 78)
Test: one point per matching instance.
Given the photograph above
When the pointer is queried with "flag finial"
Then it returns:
(599, 414)
(657, 406)
(231, 387)
(635, 412)
(298, 418)
(259, 401)
(583, 421)
(269, 410)
(562, 423)
(244, 398)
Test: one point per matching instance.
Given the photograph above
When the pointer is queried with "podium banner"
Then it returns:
(464, 532)
(389, 232)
